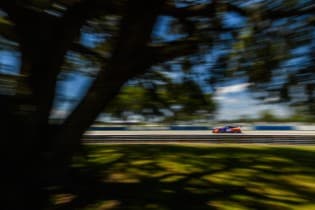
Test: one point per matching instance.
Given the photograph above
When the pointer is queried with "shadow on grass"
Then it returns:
(192, 177)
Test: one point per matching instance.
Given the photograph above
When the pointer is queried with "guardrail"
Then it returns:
(216, 139)
(188, 127)
(108, 128)
(172, 127)
(191, 127)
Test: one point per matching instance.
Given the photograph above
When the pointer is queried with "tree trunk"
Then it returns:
(25, 116)
(128, 60)
(33, 150)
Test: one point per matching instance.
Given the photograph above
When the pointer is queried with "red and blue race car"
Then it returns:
(227, 129)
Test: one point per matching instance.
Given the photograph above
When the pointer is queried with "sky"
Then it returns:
(236, 101)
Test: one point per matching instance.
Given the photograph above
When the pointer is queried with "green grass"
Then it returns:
(195, 177)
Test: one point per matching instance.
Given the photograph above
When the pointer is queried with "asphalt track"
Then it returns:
(167, 136)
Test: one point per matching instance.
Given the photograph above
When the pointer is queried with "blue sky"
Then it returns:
(9, 62)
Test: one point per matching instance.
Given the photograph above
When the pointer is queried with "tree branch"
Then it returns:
(168, 51)
(8, 6)
(277, 14)
(126, 62)
(206, 10)
(44, 40)
(191, 11)
(7, 31)
(77, 47)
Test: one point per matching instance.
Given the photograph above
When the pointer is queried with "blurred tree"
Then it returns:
(267, 42)
(267, 116)
(156, 96)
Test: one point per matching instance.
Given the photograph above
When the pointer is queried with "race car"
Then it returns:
(227, 129)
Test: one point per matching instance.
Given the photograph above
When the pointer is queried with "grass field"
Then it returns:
(195, 177)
